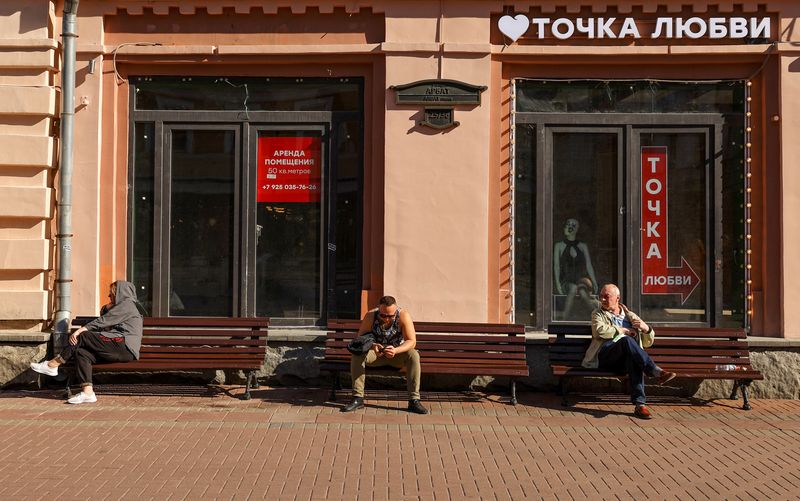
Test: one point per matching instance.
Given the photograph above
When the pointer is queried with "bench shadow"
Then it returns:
(584, 403)
(376, 398)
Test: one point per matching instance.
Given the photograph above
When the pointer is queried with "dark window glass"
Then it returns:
(524, 235)
(201, 233)
(584, 201)
(141, 231)
(558, 96)
(247, 94)
(347, 148)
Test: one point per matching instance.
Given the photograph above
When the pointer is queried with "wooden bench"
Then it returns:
(196, 343)
(690, 352)
(444, 348)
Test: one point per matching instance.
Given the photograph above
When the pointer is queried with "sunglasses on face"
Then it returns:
(386, 315)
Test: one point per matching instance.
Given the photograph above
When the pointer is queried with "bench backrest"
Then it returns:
(448, 347)
(199, 342)
(683, 348)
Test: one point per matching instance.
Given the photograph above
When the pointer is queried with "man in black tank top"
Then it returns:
(395, 340)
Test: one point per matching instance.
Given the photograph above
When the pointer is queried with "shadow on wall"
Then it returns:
(794, 66)
(32, 16)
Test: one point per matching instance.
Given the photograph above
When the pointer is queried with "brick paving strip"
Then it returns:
(218, 447)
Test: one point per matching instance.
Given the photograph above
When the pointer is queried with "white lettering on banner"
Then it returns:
(585, 26)
(738, 27)
(556, 28)
(693, 28)
(759, 29)
(685, 27)
(652, 229)
(653, 186)
(653, 252)
(668, 280)
(604, 28)
(717, 27)
(662, 22)
(629, 29)
(658, 277)
(539, 22)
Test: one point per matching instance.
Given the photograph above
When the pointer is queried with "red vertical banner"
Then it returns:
(657, 276)
(654, 218)
(289, 169)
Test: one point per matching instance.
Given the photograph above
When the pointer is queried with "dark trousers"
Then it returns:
(94, 347)
(628, 357)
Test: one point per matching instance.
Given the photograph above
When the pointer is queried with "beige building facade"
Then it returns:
(260, 158)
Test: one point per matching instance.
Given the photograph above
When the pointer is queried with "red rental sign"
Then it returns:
(657, 276)
(289, 169)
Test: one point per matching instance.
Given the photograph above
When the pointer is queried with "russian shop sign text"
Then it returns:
(562, 28)
(658, 277)
(289, 169)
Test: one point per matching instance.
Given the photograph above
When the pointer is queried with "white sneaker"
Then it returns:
(83, 398)
(43, 368)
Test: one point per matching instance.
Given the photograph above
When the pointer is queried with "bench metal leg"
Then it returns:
(745, 383)
(513, 391)
(735, 390)
(256, 384)
(334, 386)
(562, 390)
(250, 376)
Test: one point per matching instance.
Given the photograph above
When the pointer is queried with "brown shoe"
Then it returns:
(642, 412)
(666, 377)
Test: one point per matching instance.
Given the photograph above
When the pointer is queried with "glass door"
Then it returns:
(678, 187)
(288, 229)
(200, 190)
(585, 218)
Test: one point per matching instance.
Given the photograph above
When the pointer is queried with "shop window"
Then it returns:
(214, 230)
(587, 212)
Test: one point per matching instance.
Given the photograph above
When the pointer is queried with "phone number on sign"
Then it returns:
(291, 187)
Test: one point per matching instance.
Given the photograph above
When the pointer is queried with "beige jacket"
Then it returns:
(603, 329)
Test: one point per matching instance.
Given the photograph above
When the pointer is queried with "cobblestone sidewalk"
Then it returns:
(292, 444)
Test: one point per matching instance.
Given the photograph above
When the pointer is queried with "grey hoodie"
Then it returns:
(123, 319)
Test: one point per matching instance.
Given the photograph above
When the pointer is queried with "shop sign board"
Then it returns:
(715, 28)
(657, 276)
(438, 91)
(289, 169)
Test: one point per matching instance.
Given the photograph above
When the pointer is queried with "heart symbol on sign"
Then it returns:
(514, 27)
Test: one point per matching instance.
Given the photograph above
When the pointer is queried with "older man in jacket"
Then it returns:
(619, 337)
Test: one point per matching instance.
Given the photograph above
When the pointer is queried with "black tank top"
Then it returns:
(391, 336)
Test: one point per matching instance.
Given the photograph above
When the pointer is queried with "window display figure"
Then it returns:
(573, 273)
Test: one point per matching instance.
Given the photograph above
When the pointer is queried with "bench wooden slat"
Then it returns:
(690, 352)
(197, 343)
(444, 348)
(454, 338)
(440, 327)
(430, 355)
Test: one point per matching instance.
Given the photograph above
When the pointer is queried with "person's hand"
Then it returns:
(389, 351)
(378, 349)
(73, 338)
(641, 325)
(629, 332)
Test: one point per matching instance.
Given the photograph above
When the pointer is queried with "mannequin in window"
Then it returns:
(573, 273)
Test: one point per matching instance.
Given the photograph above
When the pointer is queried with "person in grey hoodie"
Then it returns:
(114, 336)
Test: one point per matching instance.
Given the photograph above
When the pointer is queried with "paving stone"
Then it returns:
(214, 446)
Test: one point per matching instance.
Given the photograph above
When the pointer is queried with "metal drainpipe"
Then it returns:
(61, 321)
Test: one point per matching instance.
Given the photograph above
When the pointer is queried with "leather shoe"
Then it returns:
(357, 403)
(642, 412)
(416, 407)
(666, 377)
